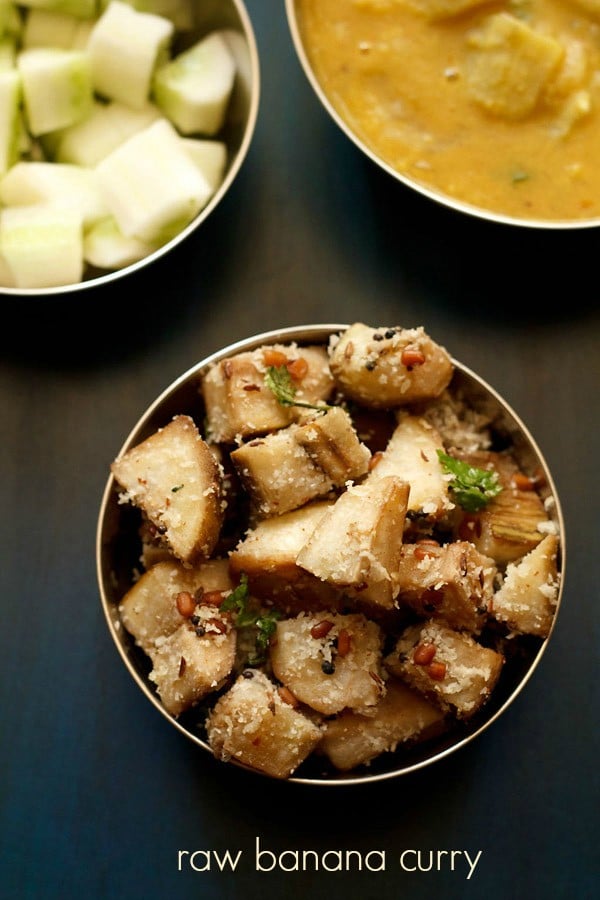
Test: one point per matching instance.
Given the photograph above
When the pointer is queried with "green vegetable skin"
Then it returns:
(471, 487)
(264, 621)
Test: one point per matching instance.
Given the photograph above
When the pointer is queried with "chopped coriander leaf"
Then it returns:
(263, 621)
(279, 381)
(266, 623)
(246, 618)
(238, 598)
(471, 487)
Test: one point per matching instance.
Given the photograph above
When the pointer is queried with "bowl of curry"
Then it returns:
(491, 108)
(330, 553)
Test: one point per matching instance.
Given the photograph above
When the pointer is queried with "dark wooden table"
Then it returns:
(98, 795)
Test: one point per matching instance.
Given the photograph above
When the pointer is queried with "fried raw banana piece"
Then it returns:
(193, 661)
(149, 609)
(240, 405)
(278, 473)
(333, 445)
(268, 553)
(453, 582)
(253, 725)
(287, 469)
(330, 662)
(411, 454)
(401, 716)
(448, 666)
(357, 543)
(171, 616)
(238, 402)
(514, 521)
(173, 477)
(527, 599)
(154, 548)
(385, 367)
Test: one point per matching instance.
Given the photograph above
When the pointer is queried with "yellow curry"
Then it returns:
(496, 105)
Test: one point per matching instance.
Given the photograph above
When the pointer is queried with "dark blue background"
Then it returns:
(98, 794)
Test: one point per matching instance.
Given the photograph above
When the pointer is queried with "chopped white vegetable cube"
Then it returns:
(125, 47)
(42, 245)
(83, 9)
(10, 118)
(105, 247)
(57, 87)
(193, 88)
(210, 157)
(107, 126)
(180, 12)
(151, 185)
(60, 184)
(82, 34)
(45, 28)
(6, 276)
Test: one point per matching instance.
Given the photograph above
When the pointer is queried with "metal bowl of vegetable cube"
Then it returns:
(477, 108)
(122, 127)
(415, 740)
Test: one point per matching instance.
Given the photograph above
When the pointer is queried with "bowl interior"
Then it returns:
(242, 112)
(118, 552)
(437, 196)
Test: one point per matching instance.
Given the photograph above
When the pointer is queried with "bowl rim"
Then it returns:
(436, 196)
(236, 164)
(303, 333)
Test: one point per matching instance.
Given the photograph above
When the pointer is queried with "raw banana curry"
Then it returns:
(339, 553)
(491, 104)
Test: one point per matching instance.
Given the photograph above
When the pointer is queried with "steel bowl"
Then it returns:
(118, 550)
(237, 132)
(416, 185)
